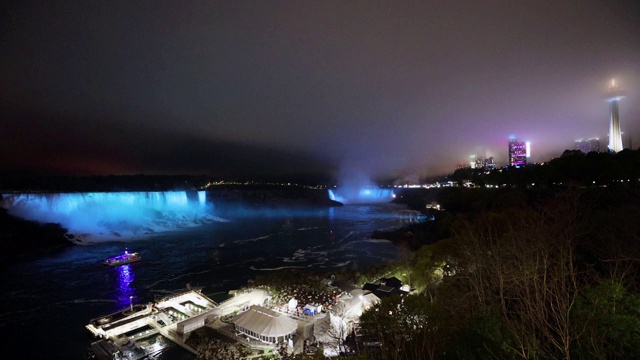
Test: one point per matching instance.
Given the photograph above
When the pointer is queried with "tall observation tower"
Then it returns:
(614, 95)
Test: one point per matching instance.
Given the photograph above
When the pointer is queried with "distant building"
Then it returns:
(517, 152)
(489, 164)
(386, 287)
(476, 161)
(473, 159)
(588, 145)
(481, 162)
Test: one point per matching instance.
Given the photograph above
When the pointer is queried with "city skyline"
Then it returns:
(614, 94)
(355, 89)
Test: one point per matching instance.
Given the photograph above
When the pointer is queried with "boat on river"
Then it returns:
(125, 258)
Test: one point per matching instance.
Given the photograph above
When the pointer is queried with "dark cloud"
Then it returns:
(385, 88)
(76, 146)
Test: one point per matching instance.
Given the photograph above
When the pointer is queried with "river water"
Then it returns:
(46, 301)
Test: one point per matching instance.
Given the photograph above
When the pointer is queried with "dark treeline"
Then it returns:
(28, 183)
(573, 168)
(454, 202)
(18, 182)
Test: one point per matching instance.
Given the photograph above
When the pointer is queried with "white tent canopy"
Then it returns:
(264, 324)
(352, 305)
(293, 304)
(312, 309)
(369, 300)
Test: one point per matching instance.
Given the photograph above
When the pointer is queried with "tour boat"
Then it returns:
(125, 258)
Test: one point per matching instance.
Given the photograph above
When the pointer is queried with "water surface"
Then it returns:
(47, 301)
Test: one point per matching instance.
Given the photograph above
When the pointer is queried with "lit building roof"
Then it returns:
(265, 322)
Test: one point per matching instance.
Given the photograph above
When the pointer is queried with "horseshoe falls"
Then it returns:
(100, 216)
(364, 195)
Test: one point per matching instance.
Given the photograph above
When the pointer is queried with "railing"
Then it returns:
(253, 343)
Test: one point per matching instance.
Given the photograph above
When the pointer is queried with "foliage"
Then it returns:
(212, 346)
(613, 315)
(521, 267)
(554, 277)
(407, 327)
(431, 263)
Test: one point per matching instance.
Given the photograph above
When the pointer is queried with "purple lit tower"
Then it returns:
(517, 152)
(614, 95)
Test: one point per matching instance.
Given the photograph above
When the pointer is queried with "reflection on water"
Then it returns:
(69, 287)
(124, 292)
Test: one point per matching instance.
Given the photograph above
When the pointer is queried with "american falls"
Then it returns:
(99, 216)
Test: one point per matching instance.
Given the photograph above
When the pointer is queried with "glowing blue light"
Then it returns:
(117, 215)
(332, 195)
(175, 198)
(361, 196)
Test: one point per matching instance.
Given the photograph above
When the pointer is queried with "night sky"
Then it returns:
(259, 88)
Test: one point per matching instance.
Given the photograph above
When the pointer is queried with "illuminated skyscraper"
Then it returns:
(517, 152)
(614, 95)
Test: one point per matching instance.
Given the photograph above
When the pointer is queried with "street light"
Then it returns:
(131, 303)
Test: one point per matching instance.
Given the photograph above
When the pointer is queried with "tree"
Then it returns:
(613, 315)
(431, 263)
(521, 266)
(408, 327)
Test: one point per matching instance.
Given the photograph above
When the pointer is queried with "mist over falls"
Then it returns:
(100, 216)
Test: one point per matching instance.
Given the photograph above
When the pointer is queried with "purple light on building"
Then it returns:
(517, 152)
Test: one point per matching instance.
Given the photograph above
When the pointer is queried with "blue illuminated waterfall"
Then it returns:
(113, 215)
(365, 195)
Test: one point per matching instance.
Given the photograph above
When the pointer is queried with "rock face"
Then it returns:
(19, 238)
